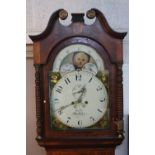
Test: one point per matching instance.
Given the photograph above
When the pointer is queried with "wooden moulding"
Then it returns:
(39, 103)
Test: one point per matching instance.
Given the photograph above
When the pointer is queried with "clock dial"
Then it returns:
(78, 55)
(79, 99)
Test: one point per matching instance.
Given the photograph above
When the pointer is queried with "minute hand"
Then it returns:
(63, 107)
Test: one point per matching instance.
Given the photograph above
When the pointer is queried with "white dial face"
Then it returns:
(90, 67)
(79, 99)
(71, 49)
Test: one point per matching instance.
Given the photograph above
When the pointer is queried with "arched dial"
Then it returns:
(75, 48)
(79, 99)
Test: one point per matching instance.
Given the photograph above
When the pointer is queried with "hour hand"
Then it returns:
(80, 91)
(83, 90)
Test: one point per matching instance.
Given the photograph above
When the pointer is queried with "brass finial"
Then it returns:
(91, 14)
(63, 14)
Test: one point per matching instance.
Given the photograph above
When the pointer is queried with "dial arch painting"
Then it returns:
(78, 56)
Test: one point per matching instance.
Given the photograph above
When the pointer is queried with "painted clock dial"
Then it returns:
(79, 99)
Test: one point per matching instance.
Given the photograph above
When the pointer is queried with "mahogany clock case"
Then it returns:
(109, 45)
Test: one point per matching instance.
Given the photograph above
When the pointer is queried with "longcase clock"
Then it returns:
(79, 93)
